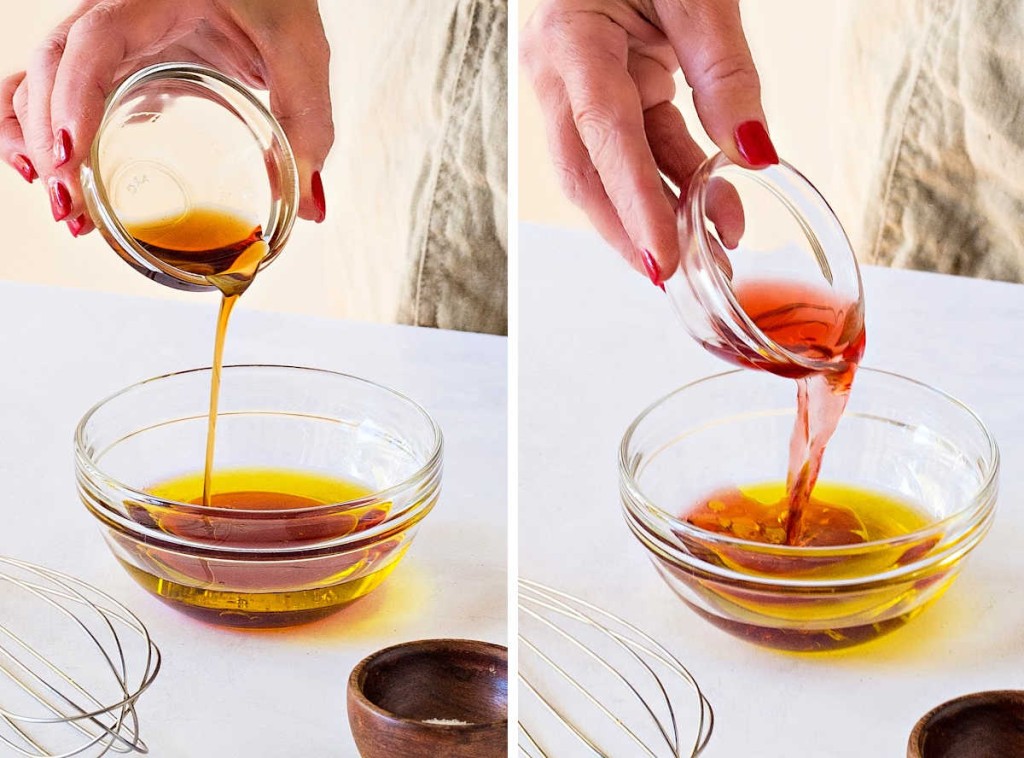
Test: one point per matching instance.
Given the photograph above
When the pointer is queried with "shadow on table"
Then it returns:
(960, 629)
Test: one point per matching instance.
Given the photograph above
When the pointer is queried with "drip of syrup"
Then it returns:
(227, 251)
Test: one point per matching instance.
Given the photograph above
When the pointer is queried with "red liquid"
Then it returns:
(809, 323)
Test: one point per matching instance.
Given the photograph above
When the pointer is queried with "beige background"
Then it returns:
(798, 48)
(352, 265)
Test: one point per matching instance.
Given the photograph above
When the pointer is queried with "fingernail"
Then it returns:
(25, 168)
(76, 225)
(62, 148)
(755, 145)
(652, 268)
(60, 200)
(318, 197)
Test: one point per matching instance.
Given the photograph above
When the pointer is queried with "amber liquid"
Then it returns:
(255, 510)
(226, 250)
(226, 577)
(810, 323)
(834, 515)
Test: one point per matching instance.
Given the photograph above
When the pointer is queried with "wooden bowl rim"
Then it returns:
(355, 691)
(1015, 697)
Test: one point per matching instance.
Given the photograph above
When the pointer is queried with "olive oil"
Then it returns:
(835, 514)
(845, 533)
(232, 581)
(258, 539)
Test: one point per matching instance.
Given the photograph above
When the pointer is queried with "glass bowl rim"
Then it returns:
(688, 531)
(93, 471)
(924, 566)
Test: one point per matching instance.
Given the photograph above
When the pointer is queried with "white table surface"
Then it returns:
(223, 693)
(598, 343)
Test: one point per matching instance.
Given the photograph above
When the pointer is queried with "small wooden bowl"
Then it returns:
(395, 693)
(979, 725)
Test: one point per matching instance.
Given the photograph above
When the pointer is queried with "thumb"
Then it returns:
(708, 39)
(298, 77)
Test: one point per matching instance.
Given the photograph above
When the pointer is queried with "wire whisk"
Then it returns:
(594, 684)
(73, 663)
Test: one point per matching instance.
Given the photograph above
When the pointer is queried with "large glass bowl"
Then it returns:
(266, 567)
(898, 437)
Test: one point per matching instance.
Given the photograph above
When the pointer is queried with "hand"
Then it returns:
(49, 113)
(603, 71)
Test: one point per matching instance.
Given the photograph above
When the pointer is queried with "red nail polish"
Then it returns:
(76, 225)
(62, 148)
(755, 145)
(652, 268)
(25, 168)
(318, 197)
(60, 200)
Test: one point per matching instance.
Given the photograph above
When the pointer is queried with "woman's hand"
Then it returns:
(603, 71)
(49, 113)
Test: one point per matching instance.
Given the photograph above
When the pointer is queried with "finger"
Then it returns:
(590, 53)
(297, 63)
(12, 141)
(725, 210)
(708, 38)
(97, 46)
(80, 225)
(654, 83)
(674, 150)
(577, 176)
(679, 157)
(223, 46)
(39, 137)
(179, 53)
(670, 194)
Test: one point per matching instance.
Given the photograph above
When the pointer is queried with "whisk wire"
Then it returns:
(655, 650)
(532, 745)
(102, 726)
(567, 723)
(582, 690)
(539, 601)
(47, 594)
(72, 720)
(631, 646)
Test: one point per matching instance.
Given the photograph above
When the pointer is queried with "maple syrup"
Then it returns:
(225, 249)
(253, 512)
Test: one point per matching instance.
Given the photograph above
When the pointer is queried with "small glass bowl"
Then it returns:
(740, 227)
(898, 437)
(180, 136)
(259, 568)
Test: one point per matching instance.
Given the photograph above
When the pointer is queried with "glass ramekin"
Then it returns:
(178, 136)
(898, 437)
(782, 230)
(265, 567)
